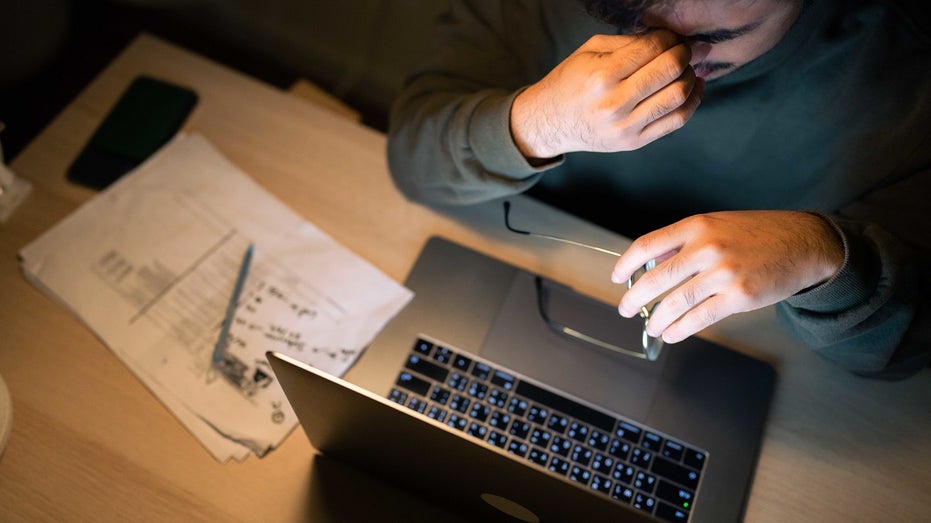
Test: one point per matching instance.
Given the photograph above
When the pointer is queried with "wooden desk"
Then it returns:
(90, 443)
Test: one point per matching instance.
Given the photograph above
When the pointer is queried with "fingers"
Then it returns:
(652, 246)
(710, 311)
(664, 69)
(690, 307)
(723, 263)
(660, 96)
(629, 54)
(667, 122)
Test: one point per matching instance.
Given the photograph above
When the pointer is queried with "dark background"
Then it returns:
(359, 49)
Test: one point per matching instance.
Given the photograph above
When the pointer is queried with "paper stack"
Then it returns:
(150, 263)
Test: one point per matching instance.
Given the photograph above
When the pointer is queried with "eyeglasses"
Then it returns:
(652, 346)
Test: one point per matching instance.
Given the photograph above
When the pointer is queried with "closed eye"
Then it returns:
(723, 35)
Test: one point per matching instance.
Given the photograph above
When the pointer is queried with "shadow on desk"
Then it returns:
(339, 492)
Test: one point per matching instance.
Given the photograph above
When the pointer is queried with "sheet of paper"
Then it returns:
(150, 263)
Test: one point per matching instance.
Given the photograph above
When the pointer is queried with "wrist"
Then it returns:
(527, 135)
(829, 244)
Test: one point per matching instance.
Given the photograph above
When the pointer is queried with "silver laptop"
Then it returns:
(473, 386)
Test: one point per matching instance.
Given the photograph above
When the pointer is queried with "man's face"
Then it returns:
(732, 32)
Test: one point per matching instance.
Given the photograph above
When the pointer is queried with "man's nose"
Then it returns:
(699, 51)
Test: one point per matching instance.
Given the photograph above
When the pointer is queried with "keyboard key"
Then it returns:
(598, 440)
(557, 423)
(479, 411)
(652, 441)
(581, 455)
(622, 493)
(518, 447)
(413, 383)
(443, 355)
(397, 396)
(439, 395)
(670, 513)
(457, 381)
(423, 347)
(459, 403)
(644, 503)
(619, 449)
(426, 368)
(601, 484)
(481, 370)
(462, 363)
(694, 459)
(540, 437)
(602, 464)
(497, 439)
(560, 446)
(457, 422)
(503, 380)
(478, 431)
(498, 398)
(437, 413)
(519, 429)
(623, 473)
(577, 431)
(417, 404)
(645, 482)
(559, 466)
(641, 458)
(673, 450)
(539, 457)
(675, 472)
(629, 432)
(478, 390)
(537, 415)
(679, 497)
(518, 406)
(580, 475)
(499, 420)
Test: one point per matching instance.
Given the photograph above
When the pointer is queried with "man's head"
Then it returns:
(732, 32)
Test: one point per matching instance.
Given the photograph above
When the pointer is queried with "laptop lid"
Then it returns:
(698, 392)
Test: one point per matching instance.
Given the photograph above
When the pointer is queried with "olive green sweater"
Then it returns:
(836, 119)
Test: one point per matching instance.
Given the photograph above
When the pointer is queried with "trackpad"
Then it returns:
(522, 340)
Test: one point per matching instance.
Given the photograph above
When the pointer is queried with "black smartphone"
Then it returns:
(145, 117)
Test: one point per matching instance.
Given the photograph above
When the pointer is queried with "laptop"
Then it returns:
(473, 396)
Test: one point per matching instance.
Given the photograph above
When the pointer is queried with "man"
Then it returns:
(802, 179)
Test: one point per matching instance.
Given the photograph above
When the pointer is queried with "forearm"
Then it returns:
(456, 147)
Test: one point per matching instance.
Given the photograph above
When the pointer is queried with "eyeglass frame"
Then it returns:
(652, 346)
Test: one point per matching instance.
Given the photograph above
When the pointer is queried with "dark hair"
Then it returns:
(627, 14)
(620, 13)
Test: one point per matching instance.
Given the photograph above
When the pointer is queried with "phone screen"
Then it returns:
(145, 117)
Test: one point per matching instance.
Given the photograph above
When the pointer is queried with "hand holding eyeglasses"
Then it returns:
(714, 265)
(651, 345)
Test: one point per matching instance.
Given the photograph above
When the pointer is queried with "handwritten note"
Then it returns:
(150, 263)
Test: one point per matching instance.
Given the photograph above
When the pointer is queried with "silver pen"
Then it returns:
(220, 347)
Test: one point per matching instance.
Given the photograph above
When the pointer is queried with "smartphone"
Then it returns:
(145, 117)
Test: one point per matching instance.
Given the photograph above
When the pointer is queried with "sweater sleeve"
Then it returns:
(449, 138)
(873, 317)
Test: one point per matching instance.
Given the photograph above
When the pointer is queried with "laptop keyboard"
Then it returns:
(618, 458)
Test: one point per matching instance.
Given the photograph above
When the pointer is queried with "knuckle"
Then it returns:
(668, 67)
(679, 93)
(708, 315)
(746, 290)
(676, 120)
(689, 297)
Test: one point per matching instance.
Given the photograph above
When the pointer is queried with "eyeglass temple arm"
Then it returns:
(507, 223)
